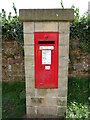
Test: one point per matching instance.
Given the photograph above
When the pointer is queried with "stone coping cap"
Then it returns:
(46, 15)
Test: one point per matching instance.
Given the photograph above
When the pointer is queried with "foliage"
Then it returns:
(13, 99)
(78, 99)
(79, 29)
(12, 28)
(76, 110)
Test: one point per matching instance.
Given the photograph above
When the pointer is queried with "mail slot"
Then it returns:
(46, 59)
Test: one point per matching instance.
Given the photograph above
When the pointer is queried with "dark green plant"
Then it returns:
(79, 29)
(12, 28)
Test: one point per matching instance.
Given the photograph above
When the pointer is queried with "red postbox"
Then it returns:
(46, 59)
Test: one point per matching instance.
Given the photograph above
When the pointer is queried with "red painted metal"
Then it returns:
(46, 78)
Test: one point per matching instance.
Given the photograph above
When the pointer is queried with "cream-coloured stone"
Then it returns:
(30, 87)
(63, 82)
(62, 110)
(28, 27)
(35, 101)
(50, 101)
(62, 74)
(64, 27)
(52, 92)
(63, 62)
(29, 71)
(46, 26)
(62, 101)
(30, 112)
(64, 39)
(29, 62)
(63, 51)
(62, 91)
(29, 50)
(45, 111)
(28, 39)
(41, 92)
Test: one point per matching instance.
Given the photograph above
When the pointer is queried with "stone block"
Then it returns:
(63, 62)
(52, 93)
(64, 39)
(29, 62)
(30, 112)
(64, 51)
(30, 88)
(47, 111)
(29, 72)
(30, 82)
(62, 91)
(29, 51)
(62, 111)
(64, 27)
(46, 26)
(28, 27)
(46, 14)
(62, 82)
(28, 39)
(63, 72)
(34, 101)
(62, 101)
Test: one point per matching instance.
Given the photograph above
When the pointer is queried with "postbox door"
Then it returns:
(46, 66)
(46, 60)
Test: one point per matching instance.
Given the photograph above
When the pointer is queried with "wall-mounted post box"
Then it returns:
(46, 47)
(46, 59)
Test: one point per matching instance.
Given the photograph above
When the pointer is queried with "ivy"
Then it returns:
(79, 29)
(12, 28)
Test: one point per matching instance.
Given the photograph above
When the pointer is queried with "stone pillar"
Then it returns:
(45, 103)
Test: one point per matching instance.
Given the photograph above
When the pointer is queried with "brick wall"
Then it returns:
(12, 61)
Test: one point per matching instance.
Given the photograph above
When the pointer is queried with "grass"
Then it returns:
(14, 99)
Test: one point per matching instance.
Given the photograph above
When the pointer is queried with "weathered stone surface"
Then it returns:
(62, 111)
(30, 89)
(63, 61)
(62, 91)
(63, 39)
(28, 27)
(29, 72)
(47, 111)
(35, 101)
(63, 51)
(29, 50)
(63, 82)
(29, 62)
(46, 14)
(64, 27)
(52, 92)
(46, 26)
(28, 39)
(30, 112)
(62, 101)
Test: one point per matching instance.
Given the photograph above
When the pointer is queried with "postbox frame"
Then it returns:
(53, 36)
